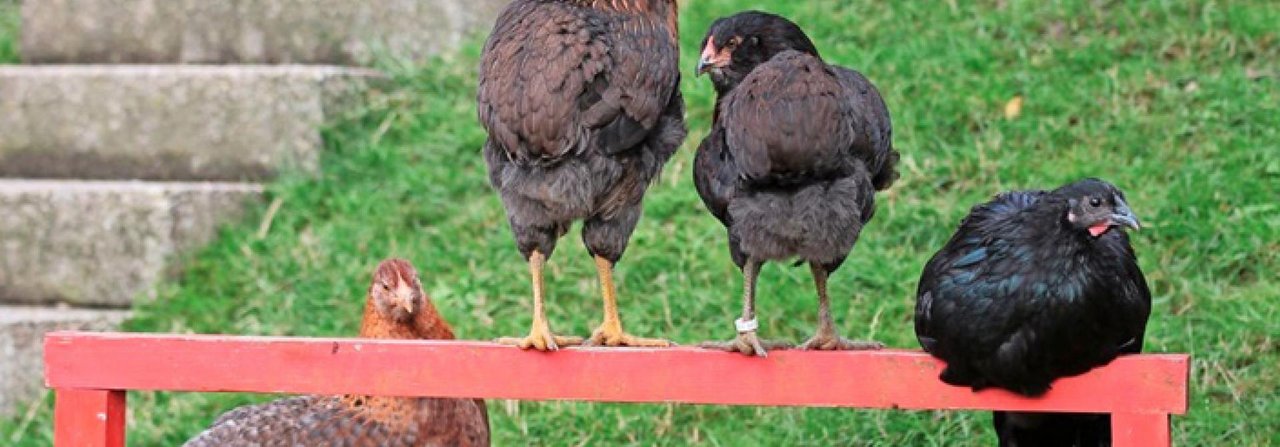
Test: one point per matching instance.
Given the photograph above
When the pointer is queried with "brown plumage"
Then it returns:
(395, 308)
(582, 105)
(796, 152)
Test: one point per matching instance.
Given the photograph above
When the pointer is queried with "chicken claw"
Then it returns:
(748, 344)
(611, 334)
(541, 338)
(829, 341)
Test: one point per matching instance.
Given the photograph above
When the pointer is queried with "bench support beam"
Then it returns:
(1140, 430)
(89, 418)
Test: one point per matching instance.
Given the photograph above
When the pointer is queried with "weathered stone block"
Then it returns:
(22, 332)
(103, 243)
(341, 32)
(168, 122)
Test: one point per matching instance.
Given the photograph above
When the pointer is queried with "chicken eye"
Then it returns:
(386, 287)
(1095, 202)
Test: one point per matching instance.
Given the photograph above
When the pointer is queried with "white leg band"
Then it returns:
(746, 325)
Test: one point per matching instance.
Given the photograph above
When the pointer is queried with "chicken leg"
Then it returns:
(610, 332)
(540, 335)
(827, 339)
(747, 342)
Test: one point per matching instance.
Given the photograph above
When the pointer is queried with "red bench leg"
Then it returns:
(1140, 430)
(89, 418)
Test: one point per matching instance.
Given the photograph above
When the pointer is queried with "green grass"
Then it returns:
(9, 37)
(1174, 101)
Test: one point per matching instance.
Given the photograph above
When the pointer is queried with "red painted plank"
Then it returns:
(1140, 430)
(869, 379)
(89, 418)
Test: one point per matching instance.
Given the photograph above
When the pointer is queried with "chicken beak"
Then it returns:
(1122, 215)
(703, 66)
(404, 296)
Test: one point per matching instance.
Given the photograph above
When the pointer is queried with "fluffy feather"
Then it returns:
(582, 106)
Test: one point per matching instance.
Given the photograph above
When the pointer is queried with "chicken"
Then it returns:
(581, 102)
(1036, 285)
(395, 308)
(797, 150)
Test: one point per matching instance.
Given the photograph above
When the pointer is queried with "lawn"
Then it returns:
(1174, 101)
(9, 19)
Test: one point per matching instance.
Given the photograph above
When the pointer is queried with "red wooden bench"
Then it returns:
(91, 372)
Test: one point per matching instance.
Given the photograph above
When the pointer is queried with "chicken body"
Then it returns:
(797, 151)
(1034, 286)
(581, 102)
(396, 308)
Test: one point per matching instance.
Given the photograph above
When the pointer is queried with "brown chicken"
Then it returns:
(797, 150)
(395, 308)
(582, 105)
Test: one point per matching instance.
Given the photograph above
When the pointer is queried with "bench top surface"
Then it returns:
(864, 379)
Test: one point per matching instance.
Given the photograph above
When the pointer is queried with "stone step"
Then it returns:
(342, 32)
(100, 243)
(168, 122)
(22, 332)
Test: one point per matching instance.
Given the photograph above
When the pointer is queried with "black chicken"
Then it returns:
(1036, 285)
(796, 153)
(582, 105)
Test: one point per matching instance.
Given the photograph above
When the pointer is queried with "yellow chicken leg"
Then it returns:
(610, 331)
(540, 335)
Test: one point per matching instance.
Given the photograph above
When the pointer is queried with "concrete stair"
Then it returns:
(109, 172)
(247, 31)
(103, 243)
(169, 122)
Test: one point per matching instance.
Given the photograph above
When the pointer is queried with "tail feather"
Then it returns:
(888, 172)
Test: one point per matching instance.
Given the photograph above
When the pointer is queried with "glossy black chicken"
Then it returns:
(581, 102)
(797, 151)
(1034, 286)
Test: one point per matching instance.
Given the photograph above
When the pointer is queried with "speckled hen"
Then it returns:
(395, 308)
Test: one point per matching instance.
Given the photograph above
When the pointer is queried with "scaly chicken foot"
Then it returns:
(610, 332)
(827, 339)
(830, 341)
(747, 343)
(540, 336)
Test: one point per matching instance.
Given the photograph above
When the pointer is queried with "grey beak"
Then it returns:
(1122, 215)
(703, 66)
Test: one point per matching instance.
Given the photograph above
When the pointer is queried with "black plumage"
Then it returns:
(1034, 286)
(581, 102)
(797, 150)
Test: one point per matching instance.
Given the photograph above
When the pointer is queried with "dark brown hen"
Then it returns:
(797, 151)
(395, 308)
(581, 102)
